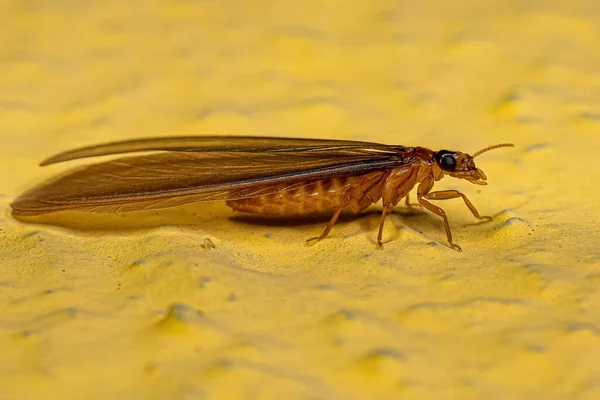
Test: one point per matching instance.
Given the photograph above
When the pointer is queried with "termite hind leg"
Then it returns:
(386, 210)
(338, 211)
(452, 194)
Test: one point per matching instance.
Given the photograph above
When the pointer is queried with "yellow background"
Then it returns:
(132, 306)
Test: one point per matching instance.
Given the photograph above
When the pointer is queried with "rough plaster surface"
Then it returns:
(132, 306)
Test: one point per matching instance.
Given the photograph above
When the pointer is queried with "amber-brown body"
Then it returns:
(359, 192)
(355, 192)
(263, 175)
(326, 195)
(315, 197)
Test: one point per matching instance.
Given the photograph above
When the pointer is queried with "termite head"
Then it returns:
(461, 165)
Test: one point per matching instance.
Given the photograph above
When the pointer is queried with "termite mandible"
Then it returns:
(263, 175)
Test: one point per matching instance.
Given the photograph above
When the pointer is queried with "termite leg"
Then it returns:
(452, 194)
(422, 192)
(386, 209)
(409, 204)
(338, 211)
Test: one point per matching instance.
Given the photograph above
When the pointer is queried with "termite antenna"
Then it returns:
(492, 148)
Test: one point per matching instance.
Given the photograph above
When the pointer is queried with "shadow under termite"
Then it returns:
(206, 215)
(368, 220)
(187, 216)
(291, 221)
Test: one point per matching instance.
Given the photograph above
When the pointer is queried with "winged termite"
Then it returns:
(271, 176)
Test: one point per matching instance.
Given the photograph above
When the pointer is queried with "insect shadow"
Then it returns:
(411, 218)
(208, 215)
(205, 216)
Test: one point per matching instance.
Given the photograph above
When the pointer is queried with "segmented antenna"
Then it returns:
(492, 148)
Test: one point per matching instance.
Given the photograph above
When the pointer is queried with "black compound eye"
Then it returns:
(448, 162)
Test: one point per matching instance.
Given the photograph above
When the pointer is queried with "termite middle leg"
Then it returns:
(422, 193)
(338, 211)
(409, 204)
(452, 194)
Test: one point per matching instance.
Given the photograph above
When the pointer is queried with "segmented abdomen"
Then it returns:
(313, 197)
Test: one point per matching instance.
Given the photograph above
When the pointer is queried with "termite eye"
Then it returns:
(448, 162)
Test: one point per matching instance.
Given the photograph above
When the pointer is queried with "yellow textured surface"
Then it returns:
(134, 307)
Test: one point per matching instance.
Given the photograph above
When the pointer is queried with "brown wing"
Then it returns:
(168, 179)
(210, 144)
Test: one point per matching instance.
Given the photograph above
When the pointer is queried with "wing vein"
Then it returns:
(173, 177)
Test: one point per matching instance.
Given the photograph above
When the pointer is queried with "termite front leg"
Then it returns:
(452, 194)
(338, 211)
(422, 192)
(386, 210)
